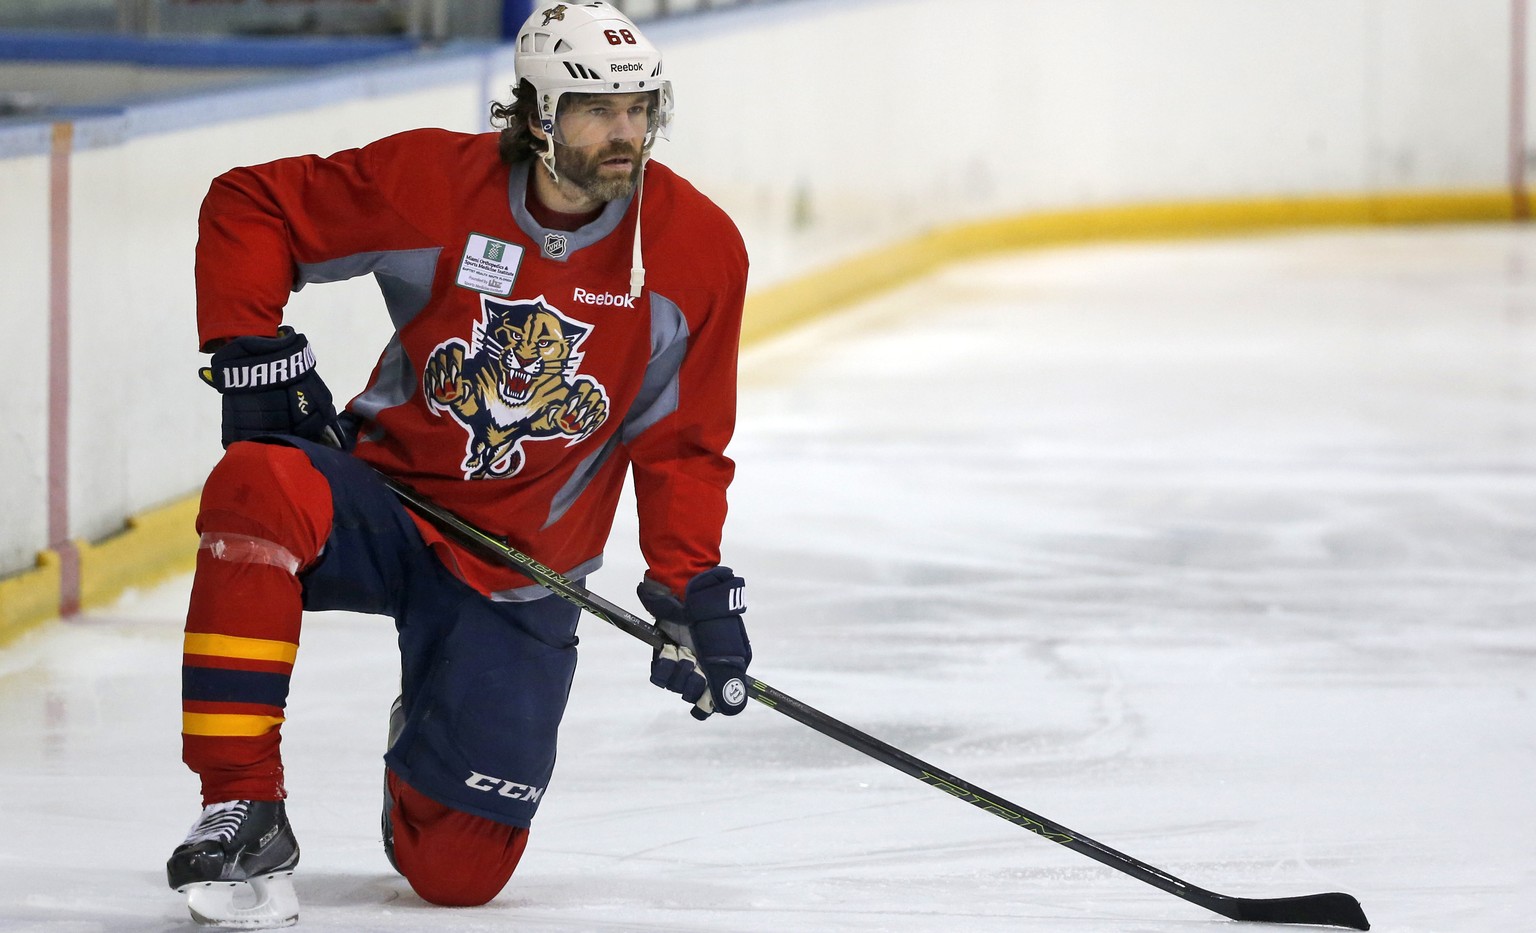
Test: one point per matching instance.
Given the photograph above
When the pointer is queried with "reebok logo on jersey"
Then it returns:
(509, 789)
(585, 297)
(274, 372)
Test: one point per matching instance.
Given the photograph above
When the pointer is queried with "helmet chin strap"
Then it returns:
(548, 158)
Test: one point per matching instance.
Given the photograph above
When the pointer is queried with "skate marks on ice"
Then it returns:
(1272, 498)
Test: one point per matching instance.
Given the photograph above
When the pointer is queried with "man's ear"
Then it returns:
(536, 129)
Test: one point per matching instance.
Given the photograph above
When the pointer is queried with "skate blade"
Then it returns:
(263, 903)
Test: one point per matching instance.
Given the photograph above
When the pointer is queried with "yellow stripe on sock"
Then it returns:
(228, 724)
(232, 646)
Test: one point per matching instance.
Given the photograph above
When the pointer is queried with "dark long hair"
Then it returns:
(517, 141)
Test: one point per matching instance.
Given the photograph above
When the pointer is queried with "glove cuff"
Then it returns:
(715, 594)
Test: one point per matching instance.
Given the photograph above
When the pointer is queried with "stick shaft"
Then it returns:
(1325, 909)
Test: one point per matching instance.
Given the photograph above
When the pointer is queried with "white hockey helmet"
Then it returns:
(588, 48)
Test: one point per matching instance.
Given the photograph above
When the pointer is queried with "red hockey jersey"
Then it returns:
(522, 380)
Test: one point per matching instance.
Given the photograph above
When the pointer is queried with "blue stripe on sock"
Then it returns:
(210, 684)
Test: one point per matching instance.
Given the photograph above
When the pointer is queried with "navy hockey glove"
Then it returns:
(270, 386)
(708, 663)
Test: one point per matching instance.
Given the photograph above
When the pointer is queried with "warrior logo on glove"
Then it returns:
(272, 372)
(515, 380)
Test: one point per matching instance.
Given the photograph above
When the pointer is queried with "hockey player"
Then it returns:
(565, 312)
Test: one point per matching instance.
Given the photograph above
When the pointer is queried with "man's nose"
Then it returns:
(628, 126)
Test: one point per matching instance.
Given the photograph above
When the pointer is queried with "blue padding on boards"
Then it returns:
(236, 52)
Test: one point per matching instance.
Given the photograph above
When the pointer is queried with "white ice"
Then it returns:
(1221, 553)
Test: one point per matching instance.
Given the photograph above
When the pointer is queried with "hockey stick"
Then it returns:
(1334, 909)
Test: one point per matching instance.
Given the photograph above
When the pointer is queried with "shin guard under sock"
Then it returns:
(265, 514)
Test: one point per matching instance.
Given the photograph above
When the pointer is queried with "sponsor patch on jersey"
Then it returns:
(489, 265)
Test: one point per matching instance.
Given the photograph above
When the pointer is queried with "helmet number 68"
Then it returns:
(619, 36)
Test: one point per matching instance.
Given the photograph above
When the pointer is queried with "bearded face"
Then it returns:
(607, 174)
(599, 144)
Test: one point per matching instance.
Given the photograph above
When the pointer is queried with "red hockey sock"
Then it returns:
(451, 858)
(265, 513)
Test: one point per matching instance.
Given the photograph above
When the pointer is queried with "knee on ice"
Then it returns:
(451, 876)
(446, 886)
(451, 858)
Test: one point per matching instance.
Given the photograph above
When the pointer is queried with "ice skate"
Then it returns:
(236, 866)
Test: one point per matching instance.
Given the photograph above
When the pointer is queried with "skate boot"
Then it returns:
(236, 866)
(386, 825)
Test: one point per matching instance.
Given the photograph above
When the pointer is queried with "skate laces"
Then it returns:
(219, 822)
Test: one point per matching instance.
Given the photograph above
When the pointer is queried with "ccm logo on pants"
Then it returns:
(510, 789)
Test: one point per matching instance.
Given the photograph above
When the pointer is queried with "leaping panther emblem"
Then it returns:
(515, 380)
(555, 13)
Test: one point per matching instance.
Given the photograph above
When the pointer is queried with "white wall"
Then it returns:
(825, 128)
(878, 118)
(135, 208)
(24, 349)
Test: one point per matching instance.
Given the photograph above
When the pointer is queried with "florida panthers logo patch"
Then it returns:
(515, 380)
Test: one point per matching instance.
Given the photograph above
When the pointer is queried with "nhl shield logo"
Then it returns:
(555, 245)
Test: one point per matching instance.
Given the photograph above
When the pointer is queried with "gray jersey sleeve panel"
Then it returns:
(580, 479)
(404, 276)
(657, 399)
(405, 279)
(395, 384)
(658, 390)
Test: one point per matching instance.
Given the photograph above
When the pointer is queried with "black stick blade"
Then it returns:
(1328, 910)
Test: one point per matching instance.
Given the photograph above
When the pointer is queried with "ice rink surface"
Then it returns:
(1222, 553)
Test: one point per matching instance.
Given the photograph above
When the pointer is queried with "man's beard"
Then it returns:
(583, 171)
